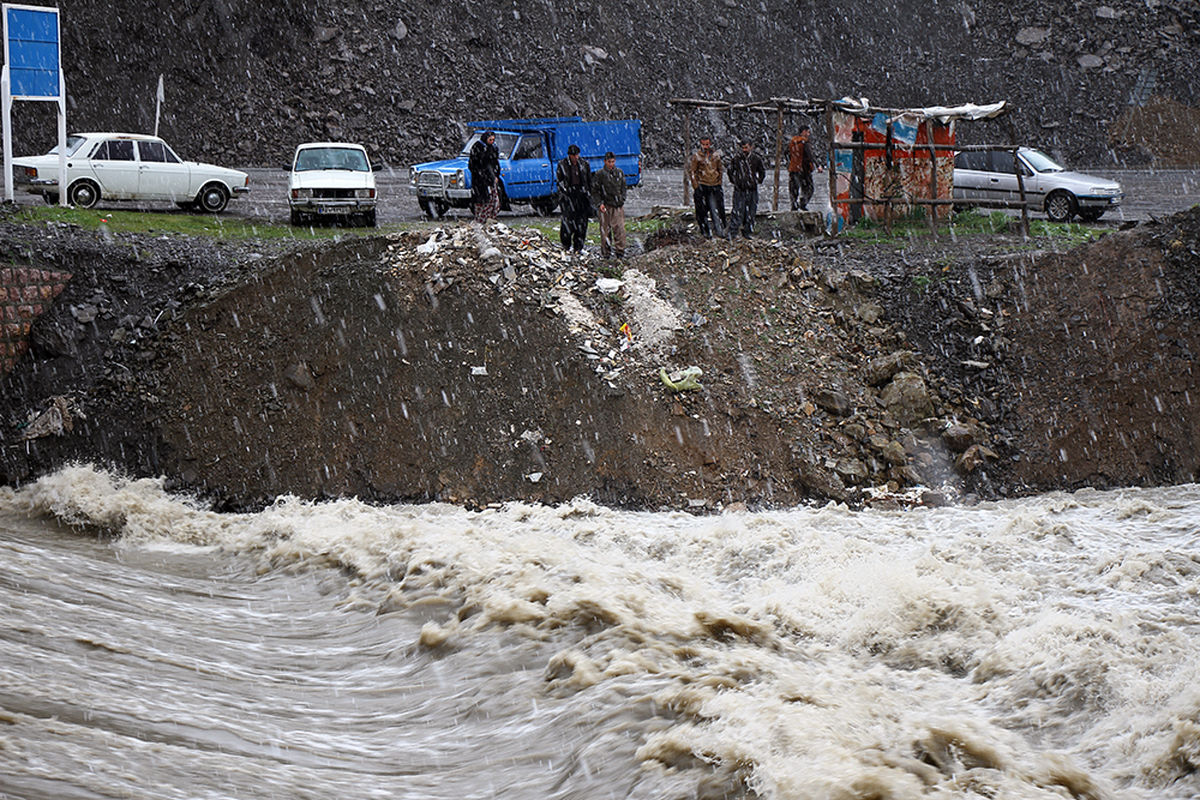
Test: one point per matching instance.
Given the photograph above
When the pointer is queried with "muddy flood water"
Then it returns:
(1041, 648)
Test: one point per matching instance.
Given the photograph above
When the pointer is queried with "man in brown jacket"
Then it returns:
(800, 169)
(705, 172)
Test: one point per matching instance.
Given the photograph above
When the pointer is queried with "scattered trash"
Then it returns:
(683, 380)
(609, 285)
(533, 477)
(479, 370)
(56, 419)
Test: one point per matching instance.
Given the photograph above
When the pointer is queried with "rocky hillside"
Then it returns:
(245, 81)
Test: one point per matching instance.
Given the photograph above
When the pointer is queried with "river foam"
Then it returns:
(1037, 648)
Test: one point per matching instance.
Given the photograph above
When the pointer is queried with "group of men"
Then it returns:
(579, 190)
(746, 172)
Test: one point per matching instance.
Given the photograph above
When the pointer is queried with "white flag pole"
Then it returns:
(158, 99)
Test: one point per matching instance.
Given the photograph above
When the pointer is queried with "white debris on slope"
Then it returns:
(653, 319)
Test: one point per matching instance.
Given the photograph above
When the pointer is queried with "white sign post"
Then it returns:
(32, 71)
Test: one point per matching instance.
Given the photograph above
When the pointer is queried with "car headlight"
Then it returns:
(457, 178)
(412, 177)
(301, 194)
(1106, 191)
(364, 194)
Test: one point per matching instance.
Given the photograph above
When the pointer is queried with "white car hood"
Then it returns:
(331, 179)
(1082, 180)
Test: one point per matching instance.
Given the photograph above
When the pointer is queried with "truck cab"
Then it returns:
(530, 150)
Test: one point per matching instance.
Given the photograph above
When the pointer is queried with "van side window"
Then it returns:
(530, 147)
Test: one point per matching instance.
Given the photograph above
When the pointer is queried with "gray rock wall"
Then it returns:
(246, 81)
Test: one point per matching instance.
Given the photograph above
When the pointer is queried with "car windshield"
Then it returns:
(1041, 162)
(73, 143)
(347, 158)
(504, 143)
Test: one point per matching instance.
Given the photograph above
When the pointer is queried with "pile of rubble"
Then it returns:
(744, 327)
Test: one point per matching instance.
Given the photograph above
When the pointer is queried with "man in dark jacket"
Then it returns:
(746, 172)
(484, 164)
(574, 177)
(610, 194)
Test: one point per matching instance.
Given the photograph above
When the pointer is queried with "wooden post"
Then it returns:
(687, 154)
(778, 152)
(1012, 139)
(933, 181)
(832, 166)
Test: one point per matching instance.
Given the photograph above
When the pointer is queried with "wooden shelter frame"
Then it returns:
(817, 107)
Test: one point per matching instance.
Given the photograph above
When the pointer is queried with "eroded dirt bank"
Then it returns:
(480, 365)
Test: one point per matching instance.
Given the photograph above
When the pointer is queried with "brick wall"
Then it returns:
(25, 294)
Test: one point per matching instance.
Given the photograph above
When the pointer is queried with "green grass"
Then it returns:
(180, 223)
(969, 223)
(549, 228)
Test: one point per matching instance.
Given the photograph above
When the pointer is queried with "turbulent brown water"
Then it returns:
(149, 648)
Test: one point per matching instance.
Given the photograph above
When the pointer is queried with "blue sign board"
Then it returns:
(31, 50)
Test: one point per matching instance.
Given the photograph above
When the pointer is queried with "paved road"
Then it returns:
(1147, 192)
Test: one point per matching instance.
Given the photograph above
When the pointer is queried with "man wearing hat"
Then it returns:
(610, 194)
(574, 198)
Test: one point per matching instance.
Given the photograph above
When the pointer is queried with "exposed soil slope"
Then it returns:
(481, 365)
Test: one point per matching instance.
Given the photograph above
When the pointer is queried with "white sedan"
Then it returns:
(128, 166)
(331, 180)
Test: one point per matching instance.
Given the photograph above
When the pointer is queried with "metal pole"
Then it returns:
(6, 113)
(62, 140)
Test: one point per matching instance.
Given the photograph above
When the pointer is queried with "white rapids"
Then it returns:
(1041, 648)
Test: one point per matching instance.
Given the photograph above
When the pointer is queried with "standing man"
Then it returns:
(800, 169)
(610, 194)
(705, 170)
(574, 197)
(746, 172)
(484, 164)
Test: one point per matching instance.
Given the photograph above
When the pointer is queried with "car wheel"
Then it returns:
(1060, 206)
(1091, 214)
(369, 218)
(427, 207)
(83, 194)
(50, 199)
(297, 217)
(213, 198)
(503, 197)
(441, 208)
(545, 207)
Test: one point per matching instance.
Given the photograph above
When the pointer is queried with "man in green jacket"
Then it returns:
(609, 185)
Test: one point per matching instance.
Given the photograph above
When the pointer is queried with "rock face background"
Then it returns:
(1092, 81)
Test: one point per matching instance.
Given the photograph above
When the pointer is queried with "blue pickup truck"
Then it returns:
(530, 150)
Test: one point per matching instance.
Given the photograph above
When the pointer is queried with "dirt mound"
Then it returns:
(480, 365)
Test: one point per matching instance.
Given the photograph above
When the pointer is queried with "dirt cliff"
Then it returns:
(480, 365)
